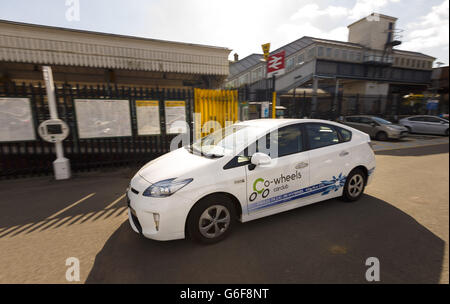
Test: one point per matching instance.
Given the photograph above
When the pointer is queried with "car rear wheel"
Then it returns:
(381, 136)
(211, 219)
(354, 185)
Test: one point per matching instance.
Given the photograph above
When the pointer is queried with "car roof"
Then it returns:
(271, 123)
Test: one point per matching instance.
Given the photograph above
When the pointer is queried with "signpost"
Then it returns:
(55, 130)
(275, 66)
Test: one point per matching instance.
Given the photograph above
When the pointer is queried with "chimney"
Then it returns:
(236, 57)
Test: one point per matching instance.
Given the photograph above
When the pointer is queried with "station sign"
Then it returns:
(276, 64)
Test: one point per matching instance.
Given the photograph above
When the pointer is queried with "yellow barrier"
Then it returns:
(214, 105)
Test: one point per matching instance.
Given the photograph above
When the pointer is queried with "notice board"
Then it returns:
(98, 118)
(16, 120)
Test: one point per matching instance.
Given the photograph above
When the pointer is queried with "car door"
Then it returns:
(358, 123)
(417, 124)
(329, 154)
(276, 187)
(369, 126)
(434, 125)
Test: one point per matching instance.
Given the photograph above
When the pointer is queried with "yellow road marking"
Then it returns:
(74, 204)
(116, 201)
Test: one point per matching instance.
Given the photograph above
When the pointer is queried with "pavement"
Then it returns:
(411, 141)
(402, 220)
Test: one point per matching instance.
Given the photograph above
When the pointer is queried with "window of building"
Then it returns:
(320, 51)
(402, 61)
(424, 64)
(337, 53)
(257, 74)
(301, 59)
(344, 54)
(413, 63)
(290, 63)
(407, 62)
(329, 50)
(244, 79)
(351, 56)
(311, 53)
(358, 56)
(396, 60)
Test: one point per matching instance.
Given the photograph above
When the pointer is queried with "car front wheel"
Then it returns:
(211, 220)
(354, 185)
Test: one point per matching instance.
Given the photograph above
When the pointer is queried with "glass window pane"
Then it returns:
(320, 135)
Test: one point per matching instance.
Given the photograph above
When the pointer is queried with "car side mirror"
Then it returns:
(260, 159)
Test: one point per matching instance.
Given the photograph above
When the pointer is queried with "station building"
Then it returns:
(91, 58)
(369, 63)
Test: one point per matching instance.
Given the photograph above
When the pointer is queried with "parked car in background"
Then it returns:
(376, 127)
(425, 124)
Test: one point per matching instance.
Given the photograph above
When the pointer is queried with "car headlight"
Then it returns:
(166, 187)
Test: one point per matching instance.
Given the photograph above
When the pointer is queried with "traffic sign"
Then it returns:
(276, 64)
(266, 50)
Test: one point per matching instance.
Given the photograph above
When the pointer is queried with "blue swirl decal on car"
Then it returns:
(325, 187)
(370, 172)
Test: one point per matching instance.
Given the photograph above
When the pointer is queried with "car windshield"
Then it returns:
(382, 121)
(226, 141)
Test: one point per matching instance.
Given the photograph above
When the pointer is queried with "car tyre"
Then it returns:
(381, 136)
(211, 219)
(354, 185)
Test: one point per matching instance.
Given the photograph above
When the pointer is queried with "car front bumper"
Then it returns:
(159, 219)
(397, 134)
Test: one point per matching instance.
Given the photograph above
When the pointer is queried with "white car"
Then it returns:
(247, 171)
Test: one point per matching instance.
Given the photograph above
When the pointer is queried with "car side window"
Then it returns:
(346, 135)
(286, 141)
(366, 120)
(321, 135)
(353, 119)
(416, 119)
(432, 119)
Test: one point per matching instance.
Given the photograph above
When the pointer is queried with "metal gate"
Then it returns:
(35, 157)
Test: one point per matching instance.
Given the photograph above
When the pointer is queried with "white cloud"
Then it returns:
(430, 33)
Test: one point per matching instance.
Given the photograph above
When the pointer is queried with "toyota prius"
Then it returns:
(247, 171)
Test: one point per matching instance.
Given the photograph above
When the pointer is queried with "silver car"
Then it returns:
(425, 124)
(376, 127)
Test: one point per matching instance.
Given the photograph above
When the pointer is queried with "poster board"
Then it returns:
(97, 118)
(175, 116)
(147, 115)
(16, 120)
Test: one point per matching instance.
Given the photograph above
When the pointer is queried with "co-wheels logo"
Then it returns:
(260, 186)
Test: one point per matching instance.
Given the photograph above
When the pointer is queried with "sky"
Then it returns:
(241, 25)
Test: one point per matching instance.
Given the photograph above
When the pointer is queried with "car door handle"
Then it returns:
(344, 153)
(301, 165)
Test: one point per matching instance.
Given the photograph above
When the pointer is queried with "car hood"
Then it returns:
(178, 163)
(397, 127)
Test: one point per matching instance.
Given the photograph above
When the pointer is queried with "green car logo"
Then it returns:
(257, 189)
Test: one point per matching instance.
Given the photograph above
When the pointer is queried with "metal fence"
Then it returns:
(34, 158)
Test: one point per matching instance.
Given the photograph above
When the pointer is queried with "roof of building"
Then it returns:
(293, 47)
(245, 63)
(39, 44)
